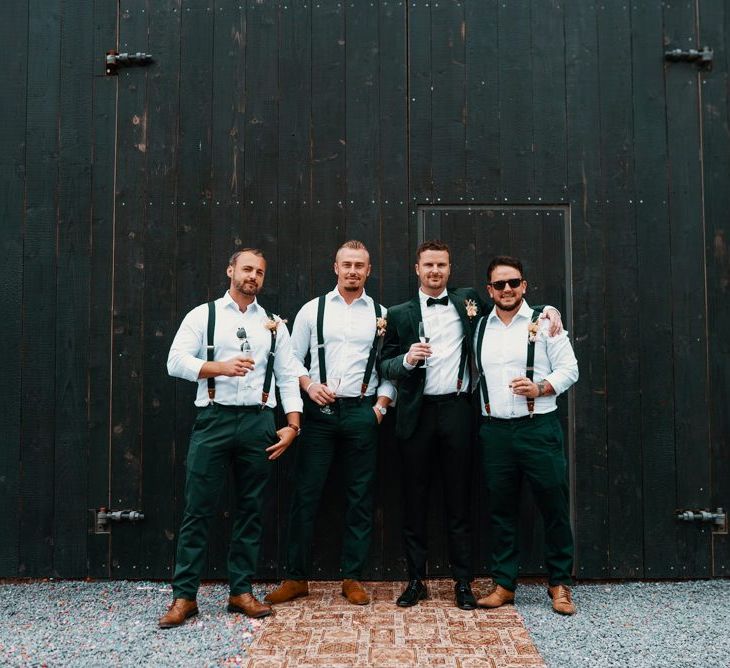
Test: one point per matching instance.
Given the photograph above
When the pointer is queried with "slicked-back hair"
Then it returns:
(506, 261)
(353, 244)
(256, 251)
(432, 245)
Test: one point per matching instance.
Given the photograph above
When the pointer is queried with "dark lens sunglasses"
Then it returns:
(500, 285)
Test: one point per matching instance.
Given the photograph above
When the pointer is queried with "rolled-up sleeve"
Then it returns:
(563, 362)
(287, 370)
(300, 336)
(188, 347)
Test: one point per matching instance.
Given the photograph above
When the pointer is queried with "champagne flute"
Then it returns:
(247, 352)
(424, 338)
(333, 384)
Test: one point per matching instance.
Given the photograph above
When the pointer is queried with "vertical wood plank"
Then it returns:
(328, 143)
(714, 30)
(622, 380)
(689, 317)
(73, 278)
(100, 293)
(515, 101)
(448, 101)
(14, 34)
(129, 280)
(39, 293)
(483, 159)
(584, 170)
(159, 315)
(654, 308)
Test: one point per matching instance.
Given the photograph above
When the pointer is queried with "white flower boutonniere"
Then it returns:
(273, 323)
(471, 308)
(381, 324)
(533, 331)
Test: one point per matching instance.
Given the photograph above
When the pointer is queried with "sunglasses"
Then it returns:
(512, 282)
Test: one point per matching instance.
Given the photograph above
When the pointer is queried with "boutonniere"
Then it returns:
(471, 308)
(533, 330)
(273, 323)
(381, 324)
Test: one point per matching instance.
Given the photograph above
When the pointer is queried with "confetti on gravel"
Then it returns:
(635, 624)
(70, 623)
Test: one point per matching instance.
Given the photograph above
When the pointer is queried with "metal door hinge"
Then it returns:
(703, 58)
(99, 519)
(115, 60)
(717, 518)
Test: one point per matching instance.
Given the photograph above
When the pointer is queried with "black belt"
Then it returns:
(346, 401)
(523, 418)
(439, 398)
(257, 408)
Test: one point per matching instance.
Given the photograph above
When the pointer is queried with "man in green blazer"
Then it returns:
(434, 418)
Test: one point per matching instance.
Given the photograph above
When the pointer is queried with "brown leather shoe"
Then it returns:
(500, 596)
(354, 592)
(248, 605)
(180, 609)
(562, 599)
(287, 591)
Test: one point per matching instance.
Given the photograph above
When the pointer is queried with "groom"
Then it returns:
(434, 417)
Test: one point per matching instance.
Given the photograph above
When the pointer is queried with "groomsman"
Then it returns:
(238, 353)
(522, 370)
(344, 403)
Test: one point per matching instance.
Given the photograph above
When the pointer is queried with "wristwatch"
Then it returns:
(381, 409)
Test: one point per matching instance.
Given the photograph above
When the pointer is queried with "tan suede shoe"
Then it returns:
(562, 599)
(180, 609)
(248, 605)
(287, 590)
(354, 592)
(500, 596)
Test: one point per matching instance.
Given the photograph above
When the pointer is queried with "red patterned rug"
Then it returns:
(322, 629)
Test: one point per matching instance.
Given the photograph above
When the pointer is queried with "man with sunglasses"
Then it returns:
(435, 414)
(522, 370)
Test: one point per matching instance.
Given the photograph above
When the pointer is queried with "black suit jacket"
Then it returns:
(401, 332)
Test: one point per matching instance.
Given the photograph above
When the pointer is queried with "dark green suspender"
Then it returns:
(210, 347)
(320, 346)
(530, 371)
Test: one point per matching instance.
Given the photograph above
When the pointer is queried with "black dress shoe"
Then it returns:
(414, 592)
(464, 595)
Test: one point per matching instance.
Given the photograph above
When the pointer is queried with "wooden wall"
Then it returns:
(296, 125)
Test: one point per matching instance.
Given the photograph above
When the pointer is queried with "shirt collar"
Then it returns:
(422, 296)
(228, 302)
(335, 294)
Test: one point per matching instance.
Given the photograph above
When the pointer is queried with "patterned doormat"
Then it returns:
(322, 629)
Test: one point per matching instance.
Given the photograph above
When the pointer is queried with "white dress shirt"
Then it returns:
(188, 354)
(445, 330)
(504, 357)
(349, 330)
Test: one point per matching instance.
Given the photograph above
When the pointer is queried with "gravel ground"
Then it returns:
(115, 624)
(642, 625)
(636, 624)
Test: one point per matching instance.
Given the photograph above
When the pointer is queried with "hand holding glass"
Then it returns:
(424, 338)
(333, 384)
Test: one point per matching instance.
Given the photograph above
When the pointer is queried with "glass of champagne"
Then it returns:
(424, 338)
(333, 384)
(247, 352)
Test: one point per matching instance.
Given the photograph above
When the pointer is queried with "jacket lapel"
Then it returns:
(414, 313)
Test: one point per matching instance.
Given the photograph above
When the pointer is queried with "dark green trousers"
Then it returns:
(224, 436)
(533, 448)
(352, 433)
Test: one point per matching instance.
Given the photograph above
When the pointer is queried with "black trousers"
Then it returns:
(443, 437)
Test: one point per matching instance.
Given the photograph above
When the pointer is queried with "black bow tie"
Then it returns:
(444, 301)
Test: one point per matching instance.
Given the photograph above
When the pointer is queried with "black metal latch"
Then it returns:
(702, 58)
(718, 518)
(99, 519)
(115, 60)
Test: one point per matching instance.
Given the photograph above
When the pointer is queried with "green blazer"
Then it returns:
(400, 333)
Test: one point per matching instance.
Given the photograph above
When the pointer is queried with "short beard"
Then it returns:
(350, 288)
(514, 306)
(246, 289)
